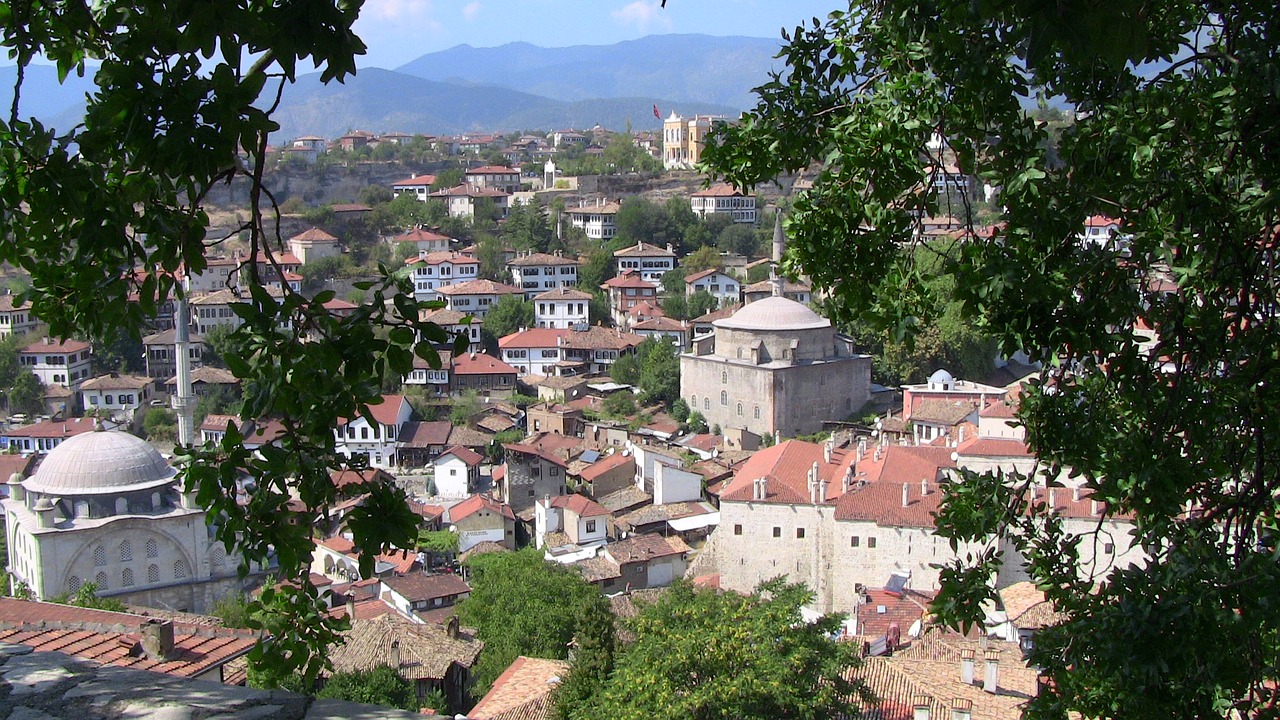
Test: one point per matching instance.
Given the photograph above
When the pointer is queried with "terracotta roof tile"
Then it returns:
(639, 548)
(521, 691)
(479, 287)
(480, 364)
(785, 467)
(426, 651)
(416, 587)
(475, 503)
(580, 505)
(605, 464)
(466, 455)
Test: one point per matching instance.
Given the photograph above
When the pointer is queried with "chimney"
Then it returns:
(451, 628)
(879, 449)
(921, 708)
(822, 490)
(1053, 498)
(394, 660)
(862, 448)
(961, 709)
(989, 681)
(847, 482)
(1075, 494)
(351, 605)
(826, 450)
(966, 666)
(906, 494)
(1093, 507)
(924, 486)
(157, 639)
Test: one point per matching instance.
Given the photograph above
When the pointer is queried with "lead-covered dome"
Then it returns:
(774, 313)
(100, 463)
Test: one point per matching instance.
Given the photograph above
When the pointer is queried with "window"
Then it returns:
(153, 573)
(757, 412)
(724, 397)
(126, 552)
(73, 584)
(1109, 548)
(777, 532)
(724, 378)
(99, 556)
(101, 581)
(799, 533)
(737, 529)
(853, 541)
(871, 542)
(180, 570)
(591, 526)
(555, 472)
(126, 578)
(152, 549)
(739, 409)
(530, 492)
(706, 403)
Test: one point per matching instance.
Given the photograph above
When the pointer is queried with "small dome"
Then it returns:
(774, 313)
(44, 504)
(100, 463)
(941, 377)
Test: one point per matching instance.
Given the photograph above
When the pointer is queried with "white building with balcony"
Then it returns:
(562, 308)
(441, 269)
(598, 220)
(536, 273)
(724, 199)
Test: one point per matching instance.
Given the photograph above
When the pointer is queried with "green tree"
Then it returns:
(676, 305)
(315, 273)
(527, 227)
(701, 303)
(625, 370)
(160, 424)
(465, 406)
(620, 405)
(520, 604)
(1172, 136)
(739, 238)
(381, 685)
(86, 596)
(680, 410)
(593, 660)
(597, 270)
(233, 609)
(27, 395)
(492, 256)
(672, 670)
(696, 423)
(509, 315)
(375, 195)
(659, 378)
(704, 258)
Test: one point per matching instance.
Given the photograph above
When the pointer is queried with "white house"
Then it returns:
(15, 319)
(650, 261)
(426, 241)
(416, 185)
(561, 308)
(724, 199)
(476, 296)
(536, 273)
(724, 288)
(57, 362)
(461, 201)
(377, 442)
(438, 269)
(116, 393)
(599, 220)
(455, 323)
(1099, 229)
(494, 177)
(457, 472)
(534, 351)
(579, 521)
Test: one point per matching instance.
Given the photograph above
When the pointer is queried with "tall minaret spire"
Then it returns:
(779, 247)
(184, 402)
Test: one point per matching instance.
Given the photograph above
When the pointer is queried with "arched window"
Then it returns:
(757, 412)
(126, 551)
(73, 584)
(126, 578)
(739, 408)
(180, 570)
(99, 556)
(218, 557)
(724, 397)
(693, 402)
(706, 403)
(100, 580)
(153, 550)
(122, 506)
(724, 377)
(153, 573)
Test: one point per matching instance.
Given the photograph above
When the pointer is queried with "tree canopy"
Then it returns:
(509, 315)
(701, 654)
(1159, 388)
(520, 604)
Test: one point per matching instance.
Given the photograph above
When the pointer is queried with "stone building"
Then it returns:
(106, 508)
(775, 366)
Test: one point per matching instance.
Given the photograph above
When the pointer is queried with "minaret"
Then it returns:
(184, 402)
(779, 247)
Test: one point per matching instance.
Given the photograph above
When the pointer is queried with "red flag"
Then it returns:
(656, 113)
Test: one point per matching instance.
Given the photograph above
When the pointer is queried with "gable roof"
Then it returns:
(898, 474)
(426, 432)
(720, 190)
(691, 279)
(479, 287)
(785, 467)
(466, 455)
(385, 412)
(580, 505)
(476, 503)
(643, 249)
(541, 259)
(415, 181)
(480, 364)
(314, 235)
(443, 257)
(629, 279)
(49, 345)
(426, 651)
(493, 170)
(533, 338)
(522, 691)
(641, 548)
(536, 451)
(418, 586)
(563, 293)
(420, 235)
(610, 462)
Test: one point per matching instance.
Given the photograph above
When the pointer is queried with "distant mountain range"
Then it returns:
(513, 87)
(682, 68)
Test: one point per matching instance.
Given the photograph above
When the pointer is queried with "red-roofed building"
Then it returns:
(439, 269)
(15, 318)
(119, 639)
(724, 199)
(522, 691)
(475, 297)
(481, 518)
(719, 285)
(494, 177)
(416, 185)
(648, 262)
(1099, 229)
(485, 374)
(581, 520)
(609, 474)
(534, 351)
(625, 291)
(538, 273)
(379, 441)
(462, 200)
(425, 240)
(314, 244)
(530, 473)
(41, 437)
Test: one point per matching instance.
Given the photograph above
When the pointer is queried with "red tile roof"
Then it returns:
(416, 587)
(475, 503)
(642, 249)
(48, 345)
(786, 467)
(113, 638)
(639, 548)
(314, 235)
(419, 235)
(629, 279)
(493, 170)
(605, 464)
(338, 544)
(900, 608)
(993, 447)
(600, 338)
(480, 364)
(533, 338)
(531, 450)
(427, 180)
(343, 478)
(443, 257)
(720, 190)
(54, 429)
(564, 293)
(385, 412)
(896, 475)
(580, 505)
(479, 287)
(466, 455)
(540, 259)
(522, 691)
(468, 191)
(426, 433)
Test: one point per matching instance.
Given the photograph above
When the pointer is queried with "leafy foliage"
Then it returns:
(509, 315)
(700, 654)
(86, 596)
(381, 685)
(522, 605)
(1175, 136)
(27, 394)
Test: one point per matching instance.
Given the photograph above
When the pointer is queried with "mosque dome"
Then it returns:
(774, 313)
(941, 378)
(100, 463)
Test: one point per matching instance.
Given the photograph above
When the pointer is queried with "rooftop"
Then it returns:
(96, 463)
(522, 691)
(774, 313)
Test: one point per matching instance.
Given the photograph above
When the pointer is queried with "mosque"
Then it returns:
(106, 507)
(774, 367)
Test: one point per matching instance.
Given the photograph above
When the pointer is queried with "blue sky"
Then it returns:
(398, 31)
